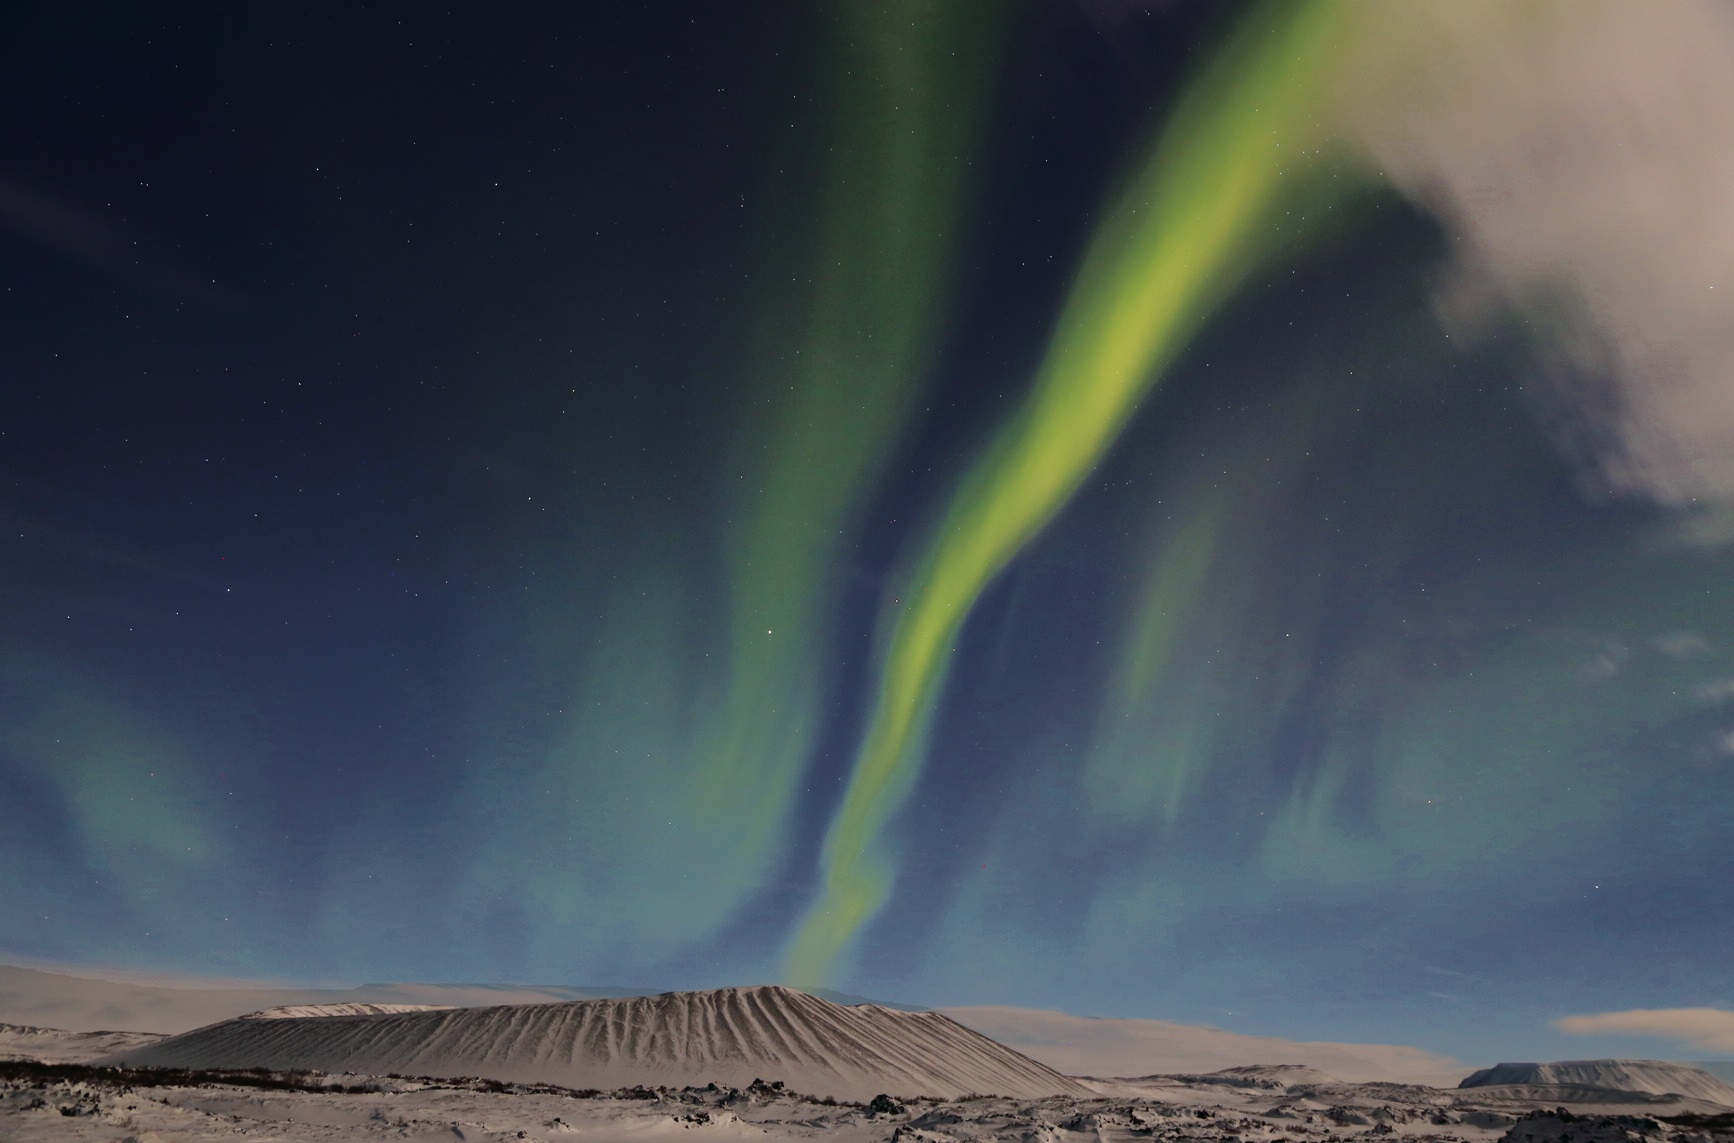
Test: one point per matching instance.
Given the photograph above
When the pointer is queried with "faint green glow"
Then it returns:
(1142, 759)
(1204, 208)
(836, 395)
(1467, 764)
(130, 788)
(1173, 695)
(668, 792)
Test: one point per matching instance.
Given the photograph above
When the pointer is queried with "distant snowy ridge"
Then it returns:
(297, 1011)
(729, 1036)
(1655, 1077)
(59, 1046)
(1119, 1047)
(86, 1003)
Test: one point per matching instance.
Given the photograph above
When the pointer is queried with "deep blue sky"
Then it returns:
(409, 416)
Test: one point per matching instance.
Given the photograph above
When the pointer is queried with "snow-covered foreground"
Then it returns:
(1246, 1106)
(728, 1064)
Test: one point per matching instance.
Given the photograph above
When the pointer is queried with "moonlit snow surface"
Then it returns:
(1253, 1105)
(345, 1076)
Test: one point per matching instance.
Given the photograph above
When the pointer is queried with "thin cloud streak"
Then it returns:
(101, 242)
(1708, 1028)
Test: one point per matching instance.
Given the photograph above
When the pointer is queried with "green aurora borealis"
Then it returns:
(1198, 212)
(958, 503)
(831, 385)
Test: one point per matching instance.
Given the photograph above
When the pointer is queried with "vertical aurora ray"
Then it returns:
(1177, 694)
(666, 793)
(838, 383)
(1159, 639)
(1193, 220)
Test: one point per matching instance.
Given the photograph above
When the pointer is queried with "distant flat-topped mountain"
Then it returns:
(729, 1036)
(1654, 1077)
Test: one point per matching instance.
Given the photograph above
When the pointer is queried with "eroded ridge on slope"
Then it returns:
(729, 1036)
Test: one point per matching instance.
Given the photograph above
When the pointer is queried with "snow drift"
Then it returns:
(1655, 1077)
(729, 1036)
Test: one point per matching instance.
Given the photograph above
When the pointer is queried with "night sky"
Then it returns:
(1129, 508)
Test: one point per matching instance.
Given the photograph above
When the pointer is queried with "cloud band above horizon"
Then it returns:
(1709, 1028)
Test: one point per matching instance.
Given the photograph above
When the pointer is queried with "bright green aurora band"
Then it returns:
(1229, 170)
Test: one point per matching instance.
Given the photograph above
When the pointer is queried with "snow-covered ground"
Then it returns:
(728, 1064)
(1198, 1109)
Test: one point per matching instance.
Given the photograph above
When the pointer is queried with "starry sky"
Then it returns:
(1153, 509)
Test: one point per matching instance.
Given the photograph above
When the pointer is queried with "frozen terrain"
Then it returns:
(770, 1064)
(483, 1073)
(41, 1105)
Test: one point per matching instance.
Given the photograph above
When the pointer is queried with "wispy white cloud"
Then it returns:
(1718, 690)
(99, 239)
(1711, 1029)
(1682, 644)
(1582, 154)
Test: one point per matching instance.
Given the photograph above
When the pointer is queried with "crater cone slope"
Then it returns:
(729, 1036)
